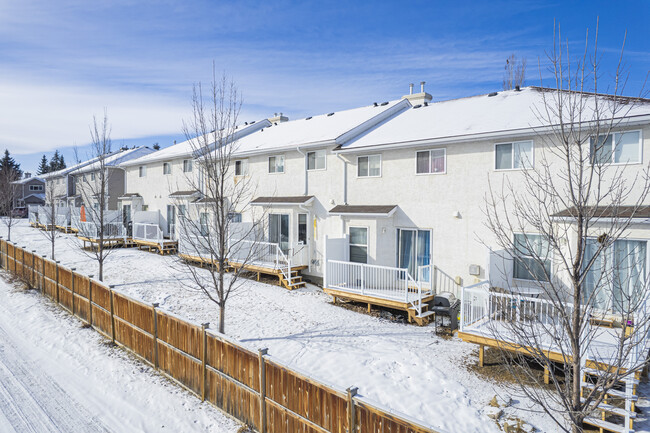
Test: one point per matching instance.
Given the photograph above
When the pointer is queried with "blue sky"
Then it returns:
(65, 61)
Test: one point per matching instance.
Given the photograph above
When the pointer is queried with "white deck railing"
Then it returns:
(443, 282)
(91, 230)
(147, 232)
(378, 281)
(33, 214)
(61, 220)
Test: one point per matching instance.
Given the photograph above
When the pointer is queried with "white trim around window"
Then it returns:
(522, 257)
(277, 166)
(142, 171)
(167, 168)
(371, 159)
(187, 166)
(430, 163)
(359, 247)
(241, 165)
(515, 163)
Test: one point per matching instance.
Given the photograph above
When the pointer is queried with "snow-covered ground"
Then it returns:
(403, 367)
(56, 376)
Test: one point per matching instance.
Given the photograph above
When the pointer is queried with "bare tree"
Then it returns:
(8, 196)
(580, 208)
(48, 220)
(208, 230)
(94, 190)
(514, 74)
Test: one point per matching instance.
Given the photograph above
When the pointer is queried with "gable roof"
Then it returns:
(27, 180)
(505, 113)
(115, 159)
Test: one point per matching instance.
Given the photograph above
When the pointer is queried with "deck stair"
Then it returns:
(613, 411)
(419, 312)
(291, 280)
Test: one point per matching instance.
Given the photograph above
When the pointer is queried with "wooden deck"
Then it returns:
(65, 229)
(386, 303)
(164, 247)
(294, 282)
(107, 243)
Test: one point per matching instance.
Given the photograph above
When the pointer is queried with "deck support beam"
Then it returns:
(481, 355)
(547, 375)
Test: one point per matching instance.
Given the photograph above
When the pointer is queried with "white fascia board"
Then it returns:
(275, 150)
(364, 215)
(396, 109)
(508, 133)
(607, 220)
(304, 203)
(239, 133)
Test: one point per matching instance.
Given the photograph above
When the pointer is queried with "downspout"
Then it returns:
(306, 172)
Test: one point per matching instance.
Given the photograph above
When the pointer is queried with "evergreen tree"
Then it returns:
(57, 162)
(8, 163)
(43, 167)
(61, 163)
(156, 146)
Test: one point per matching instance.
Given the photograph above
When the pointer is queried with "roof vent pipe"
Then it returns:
(411, 89)
(422, 83)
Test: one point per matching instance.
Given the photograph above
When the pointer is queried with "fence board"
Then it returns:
(65, 297)
(81, 307)
(101, 319)
(81, 285)
(323, 406)
(180, 366)
(138, 341)
(234, 399)
(38, 266)
(101, 296)
(50, 288)
(238, 363)
(180, 334)
(65, 277)
(132, 311)
(50, 269)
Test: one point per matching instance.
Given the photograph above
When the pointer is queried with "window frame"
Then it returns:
(142, 171)
(165, 165)
(613, 133)
(516, 256)
(366, 245)
(188, 163)
(370, 156)
(244, 167)
(324, 151)
(444, 149)
(512, 155)
(268, 167)
(35, 188)
(306, 227)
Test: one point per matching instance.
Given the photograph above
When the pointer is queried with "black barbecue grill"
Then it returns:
(446, 304)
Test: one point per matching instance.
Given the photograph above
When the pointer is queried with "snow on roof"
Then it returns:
(26, 180)
(186, 148)
(325, 129)
(506, 113)
(117, 158)
(70, 169)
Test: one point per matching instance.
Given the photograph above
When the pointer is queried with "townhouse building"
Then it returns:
(28, 191)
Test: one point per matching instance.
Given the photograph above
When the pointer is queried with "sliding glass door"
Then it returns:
(279, 231)
(414, 250)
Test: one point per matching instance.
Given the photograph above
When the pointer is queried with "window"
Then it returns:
(531, 261)
(145, 207)
(515, 155)
(241, 167)
(276, 164)
(431, 161)
(181, 210)
(359, 244)
(187, 165)
(302, 228)
(167, 168)
(316, 160)
(617, 276)
(234, 217)
(36, 187)
(142, 171)
(92, 176)
(626, 148)
(203, 222)
(414, 251)
(369, 166)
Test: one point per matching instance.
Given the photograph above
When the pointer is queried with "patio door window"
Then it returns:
(279, 231)
(126, 214)
(203, 224)
(618, 275)
(171, 217)
(359, 244)
(413, 251)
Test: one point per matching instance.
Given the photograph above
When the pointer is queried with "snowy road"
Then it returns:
(56, 376)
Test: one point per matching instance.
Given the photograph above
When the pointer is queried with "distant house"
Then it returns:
(29, 191)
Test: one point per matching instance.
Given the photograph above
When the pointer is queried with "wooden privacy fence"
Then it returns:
(252, 387)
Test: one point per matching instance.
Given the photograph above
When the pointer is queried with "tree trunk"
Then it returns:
(222, 314)
(101, 270)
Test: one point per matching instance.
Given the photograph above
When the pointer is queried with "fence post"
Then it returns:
(112, 315)
(262, 367)
(22, 262)
(90, 300)
(2, 242)
(352, 413)
(57, 281)
(155, 334)
(204, 357)
(72, 284)
(14, 257)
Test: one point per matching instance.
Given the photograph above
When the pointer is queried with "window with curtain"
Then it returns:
(413, 251)
(302, 228)
(617, 276)
(276, 164)
(515, 155)
(316, 160)
(431, 161)
(616, 148)
(142, 172)
(359, 244)
(187, 165)
(369, 166)
(240, 167)
(204, 224)
(167, 168)
(532, 259)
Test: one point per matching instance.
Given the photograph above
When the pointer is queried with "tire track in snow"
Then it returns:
(32, 401)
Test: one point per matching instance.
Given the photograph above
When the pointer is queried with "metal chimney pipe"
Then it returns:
(411, 89)
(422, 83)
